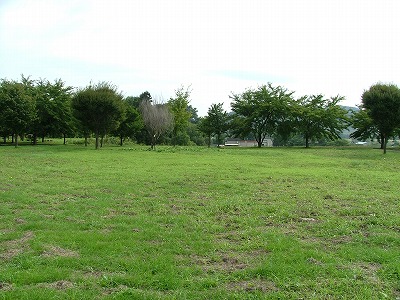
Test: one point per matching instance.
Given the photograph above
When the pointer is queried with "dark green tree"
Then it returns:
(317, 117)
(382, 104)
(17, 108)
(99, 108)
(364, 127)
(204, 126)
(218, 120)
(135, 101)
(260, 111)
(194, 117)
(131, 125)
(53, 107)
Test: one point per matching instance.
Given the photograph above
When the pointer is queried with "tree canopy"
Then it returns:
(382, 104)
(316, 117)
(179, 107)
(17, 108)
(99, 108)
(260, 111)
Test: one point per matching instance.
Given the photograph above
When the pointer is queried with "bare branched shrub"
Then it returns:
(156, 118)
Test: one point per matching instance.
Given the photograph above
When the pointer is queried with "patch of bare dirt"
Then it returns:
(344, 239)
(58, 285)
(15, 247)
(4, 286)
(370, 271)
(53, 251)
(6, 187)
(109, 291)
(253, 285)
(227, 264)
(231, 236)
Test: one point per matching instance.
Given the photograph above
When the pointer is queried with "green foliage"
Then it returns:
(364, 126)
(131, 125)
(217, 121)
(99, 108)
(17, 108)
(317, 117)
(205, 127)
(53, 107)
(382, 104)
(181, 115)
(260, 111)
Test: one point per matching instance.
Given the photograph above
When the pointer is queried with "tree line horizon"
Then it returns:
(40, 109)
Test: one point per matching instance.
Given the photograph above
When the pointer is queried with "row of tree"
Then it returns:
(40, 108)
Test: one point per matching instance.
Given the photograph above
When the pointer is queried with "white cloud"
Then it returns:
(330, 47)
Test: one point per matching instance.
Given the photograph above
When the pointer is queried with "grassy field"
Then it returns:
(198, 223)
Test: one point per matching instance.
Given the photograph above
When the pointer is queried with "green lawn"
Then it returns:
(198, 223)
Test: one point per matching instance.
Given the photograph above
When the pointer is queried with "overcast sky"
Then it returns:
(216, 46)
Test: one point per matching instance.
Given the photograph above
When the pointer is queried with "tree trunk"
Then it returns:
(153, 142)
(121, 140)
(65, 138)
(86, 140)
(259, 140)
(34, 139)
(16, 140)
(307, 138)
(97, 140)
(43, 138)
(101, 141)
(209, 140)
(384, 143)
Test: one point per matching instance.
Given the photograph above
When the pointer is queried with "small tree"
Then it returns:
(382, 104)
(205, 127)
(157, 119)
(179, 108)
(130, 125)
(218, 120)
(99, 108)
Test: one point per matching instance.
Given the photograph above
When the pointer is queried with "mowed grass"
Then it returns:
(198, 223)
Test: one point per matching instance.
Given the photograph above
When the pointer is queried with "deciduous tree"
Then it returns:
(181, 115)
(260, 111)
(317, 117)
(382, 104)
(17, 108)
(205, 127)
(99, 108)
(364, 127)
(53, 107)
(131, 125)
(218, 120)
(157, 119)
